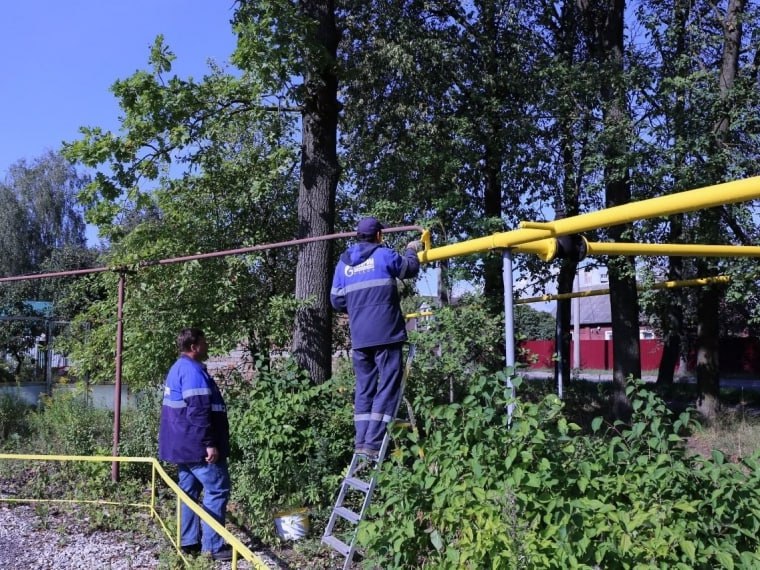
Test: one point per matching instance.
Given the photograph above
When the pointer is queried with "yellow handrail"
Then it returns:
(238, 548)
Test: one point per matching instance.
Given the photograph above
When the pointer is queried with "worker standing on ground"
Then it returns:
(194, 434)
(364, 286)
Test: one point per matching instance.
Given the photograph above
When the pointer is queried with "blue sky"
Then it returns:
(61, 56)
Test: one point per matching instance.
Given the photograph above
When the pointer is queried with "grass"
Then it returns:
(736, 433)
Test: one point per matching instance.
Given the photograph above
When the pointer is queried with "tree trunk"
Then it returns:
(673, 321)
(708, 371)
(444, 286)
(626, 353)
(566, 203)
(608, 19)
(19, 363)
(563, 334)
(493, 154)
(671, 351)
(493, 287)
(708, 365)
(312, 337)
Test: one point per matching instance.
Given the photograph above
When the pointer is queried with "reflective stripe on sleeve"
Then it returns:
(196, 392)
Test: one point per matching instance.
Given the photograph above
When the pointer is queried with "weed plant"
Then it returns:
(481, 491)
(290, 441)
(68, 424)
(14, 425)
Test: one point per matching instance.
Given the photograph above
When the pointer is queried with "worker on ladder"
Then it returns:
(364, 286)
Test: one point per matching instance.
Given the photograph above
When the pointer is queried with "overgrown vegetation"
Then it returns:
(554, 485)
(12, 418)
(477, 493)
(290, 440)
(212, 164)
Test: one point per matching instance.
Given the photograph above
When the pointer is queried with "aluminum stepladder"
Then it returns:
(353, 484)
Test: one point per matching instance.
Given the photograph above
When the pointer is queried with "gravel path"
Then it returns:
(31, 541)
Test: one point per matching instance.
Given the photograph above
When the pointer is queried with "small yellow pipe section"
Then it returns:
(418, 315)
(708, 197)
(698, 282)
(546, 249)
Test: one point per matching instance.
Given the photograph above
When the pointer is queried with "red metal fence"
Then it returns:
(738, 355)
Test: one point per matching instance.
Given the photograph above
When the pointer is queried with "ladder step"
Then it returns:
(360, 464)
(348, 514)
(336, 544)
(357, 484)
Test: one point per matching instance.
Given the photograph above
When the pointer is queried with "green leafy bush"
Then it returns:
(139, 430)
(290, 441)
(478, 493)
(13, 417)
(6, 376)
(457, 341)
(68, 424)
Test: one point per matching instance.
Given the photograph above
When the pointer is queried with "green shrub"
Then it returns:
(291, 440)
(14, 414)
(139, 431)
(6, 376)
(458, 341)
(68, 424)
(477, 493)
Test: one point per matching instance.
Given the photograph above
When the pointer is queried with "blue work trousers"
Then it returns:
(214, 480)
(379, 373)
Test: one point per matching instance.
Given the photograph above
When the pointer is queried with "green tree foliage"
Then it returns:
(14, 232)
(40, 214)
(201, 167)
(214, 134)
(468, 117)
(701, 129)
(41, 230)
(214, 164)
(440, 99)
(305, 36)
(455, 343)
(532, 324)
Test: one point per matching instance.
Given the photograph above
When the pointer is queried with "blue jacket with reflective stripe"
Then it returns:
(193, 415)
(364, 285)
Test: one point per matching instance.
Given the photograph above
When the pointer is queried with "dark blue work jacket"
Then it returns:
(193, 415)
(364, 285)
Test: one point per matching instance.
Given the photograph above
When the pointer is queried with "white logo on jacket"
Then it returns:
(363, 267)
